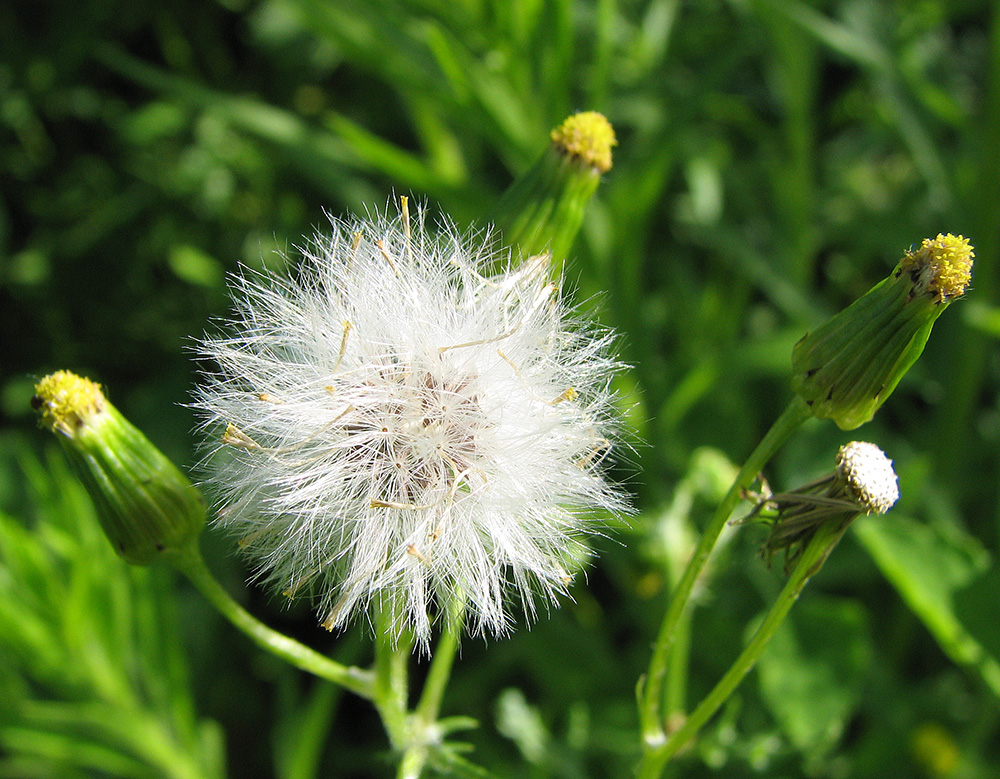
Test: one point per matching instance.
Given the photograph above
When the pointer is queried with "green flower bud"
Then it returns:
(863, 482)
(847, 368)
(146, 506)
(542, 210)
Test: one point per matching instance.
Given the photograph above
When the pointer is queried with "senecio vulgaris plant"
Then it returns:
(409, 430)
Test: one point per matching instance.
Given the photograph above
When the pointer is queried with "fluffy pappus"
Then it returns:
(400, 425)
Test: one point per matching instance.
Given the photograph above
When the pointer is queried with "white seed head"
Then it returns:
(869, 475)
(396, 429)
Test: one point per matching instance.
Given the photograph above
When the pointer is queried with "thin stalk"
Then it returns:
(190, 563)
(429, 706)
(674, 696)
(677, 671)
(440, 671)
(809, 562)
(412, 764)
(790, 420)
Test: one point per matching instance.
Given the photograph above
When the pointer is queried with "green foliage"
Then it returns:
(813, 673)
(775, 159)
(930, 568)
(94, 679)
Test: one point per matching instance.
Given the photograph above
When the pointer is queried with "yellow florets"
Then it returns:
(66, 402)
(588, 136)
(941, 266)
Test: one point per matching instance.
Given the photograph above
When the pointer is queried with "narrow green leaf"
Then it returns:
(301, 737)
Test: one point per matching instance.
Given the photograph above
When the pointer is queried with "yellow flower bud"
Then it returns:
(847, 368)
(146, 506)
(542, 211)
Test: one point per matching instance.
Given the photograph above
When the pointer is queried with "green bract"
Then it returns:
(847, 367)
(542, 211)
(146, 506)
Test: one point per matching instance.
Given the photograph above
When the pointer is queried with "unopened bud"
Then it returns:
(542, 211)
(146, 506)
(847, 368)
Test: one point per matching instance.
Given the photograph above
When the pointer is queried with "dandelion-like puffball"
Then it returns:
(398, 429)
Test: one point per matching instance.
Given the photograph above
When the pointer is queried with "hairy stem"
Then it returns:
(392, 684)
(426, 714)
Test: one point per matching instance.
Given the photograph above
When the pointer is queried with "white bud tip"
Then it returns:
(869, 473)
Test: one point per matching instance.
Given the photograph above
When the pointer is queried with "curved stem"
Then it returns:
(190, 563)
(790, 420)
(810, 561)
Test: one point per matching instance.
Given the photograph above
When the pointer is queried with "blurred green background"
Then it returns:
(774, 161)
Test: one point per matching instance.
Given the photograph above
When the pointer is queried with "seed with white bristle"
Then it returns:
(407, 423)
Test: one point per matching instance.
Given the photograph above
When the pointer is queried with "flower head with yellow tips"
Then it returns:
(543, 210)
(587, 136)
(66, 402)
(941, 267)
(847, 367)
(146, 506)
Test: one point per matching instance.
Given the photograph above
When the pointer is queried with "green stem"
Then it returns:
(429, 706)
(675, 695)
(412, 764)
(790, 420)
(190, 562)
(392, 686)
(674, 698)
(810, 561)
(440, 670)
